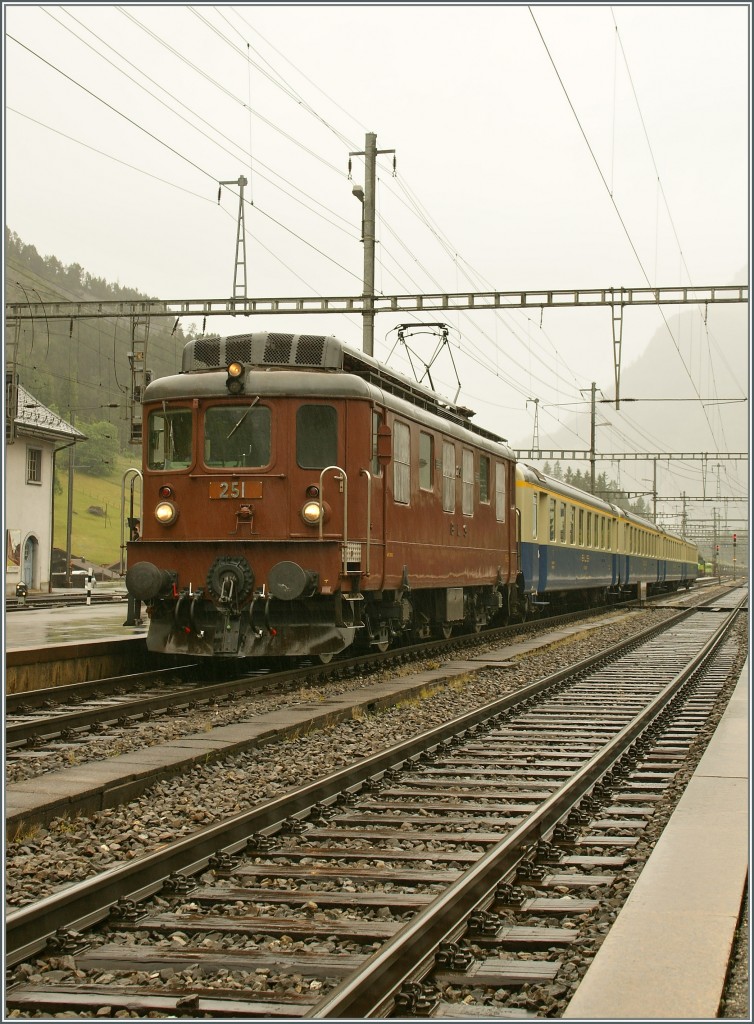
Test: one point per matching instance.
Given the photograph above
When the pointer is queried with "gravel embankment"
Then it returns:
(69, 850)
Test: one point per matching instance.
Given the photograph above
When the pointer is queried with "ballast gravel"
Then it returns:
(70, 850)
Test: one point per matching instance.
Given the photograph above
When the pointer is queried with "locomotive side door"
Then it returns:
(366, 490)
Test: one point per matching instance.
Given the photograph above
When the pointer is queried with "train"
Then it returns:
(299, 498)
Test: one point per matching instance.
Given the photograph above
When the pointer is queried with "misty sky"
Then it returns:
(537, 148)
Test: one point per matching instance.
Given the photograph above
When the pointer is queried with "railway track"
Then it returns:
(461, 860)
(68, 713)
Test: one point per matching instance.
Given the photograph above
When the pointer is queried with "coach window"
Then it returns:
(402, 464)
(562, 518)
(581, 527)
(484, 479)
(534, 515)
(237, 435)
(571, 524)
(589, 529)
(500, 496)
(448, 476)
(426, 461)
(467, 480)
(609, 537)
(169, 439)
(551, 509)
(602, 531)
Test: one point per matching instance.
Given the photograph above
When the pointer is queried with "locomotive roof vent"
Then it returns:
(314, 351)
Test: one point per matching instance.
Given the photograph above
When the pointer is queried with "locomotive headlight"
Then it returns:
(166, 513)
(234, 383)
(310, 512)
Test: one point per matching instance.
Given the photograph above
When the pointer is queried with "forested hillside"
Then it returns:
(80, 368)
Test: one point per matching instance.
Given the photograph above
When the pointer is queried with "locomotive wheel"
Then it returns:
(382, 646)
(444, 630)
(324, 659)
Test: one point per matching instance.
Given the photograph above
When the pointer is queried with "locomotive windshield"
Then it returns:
(237, 435)
(169, 434)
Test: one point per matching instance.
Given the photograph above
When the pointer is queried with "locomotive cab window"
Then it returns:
(237, 436)
(316, 436)
(169, 439)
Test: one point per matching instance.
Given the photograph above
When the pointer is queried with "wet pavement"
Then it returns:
(46, 627)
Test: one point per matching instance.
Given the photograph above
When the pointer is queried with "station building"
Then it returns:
(34, 435)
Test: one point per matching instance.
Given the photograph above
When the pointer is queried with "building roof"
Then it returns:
(33, 418)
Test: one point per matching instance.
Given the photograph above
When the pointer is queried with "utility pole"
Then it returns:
(593, 440)
(239, 288)
(69, 523)
(535, 435)
(367, 198)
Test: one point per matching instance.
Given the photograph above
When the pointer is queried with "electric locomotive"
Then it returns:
(298, 498)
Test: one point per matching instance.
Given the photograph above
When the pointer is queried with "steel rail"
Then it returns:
(410, 954)
(88, 902)
(16, 733)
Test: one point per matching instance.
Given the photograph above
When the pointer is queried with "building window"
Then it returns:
(467, 479)
(448, 477)
(34, 465)
(426, 461)
(402, 464)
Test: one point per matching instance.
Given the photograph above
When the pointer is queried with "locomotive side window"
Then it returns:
(467, 479)
(376, 468)
(237, 435)
(426, 461)
(484, 479)
(500, 497)
(448, 476)
(402, 463)
(316, 436)
(169, 433)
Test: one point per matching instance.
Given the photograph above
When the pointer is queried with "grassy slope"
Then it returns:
(94, 538)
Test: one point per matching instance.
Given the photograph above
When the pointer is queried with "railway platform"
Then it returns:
(667, 955)
(48, 626)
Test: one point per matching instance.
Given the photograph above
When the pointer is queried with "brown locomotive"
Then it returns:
(298, 498)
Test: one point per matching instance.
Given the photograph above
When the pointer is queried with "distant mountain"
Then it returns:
(78, 366)
(716, 355)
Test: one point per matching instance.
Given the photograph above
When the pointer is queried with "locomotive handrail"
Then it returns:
(368, 475)
(133, 473)
(337, 469)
